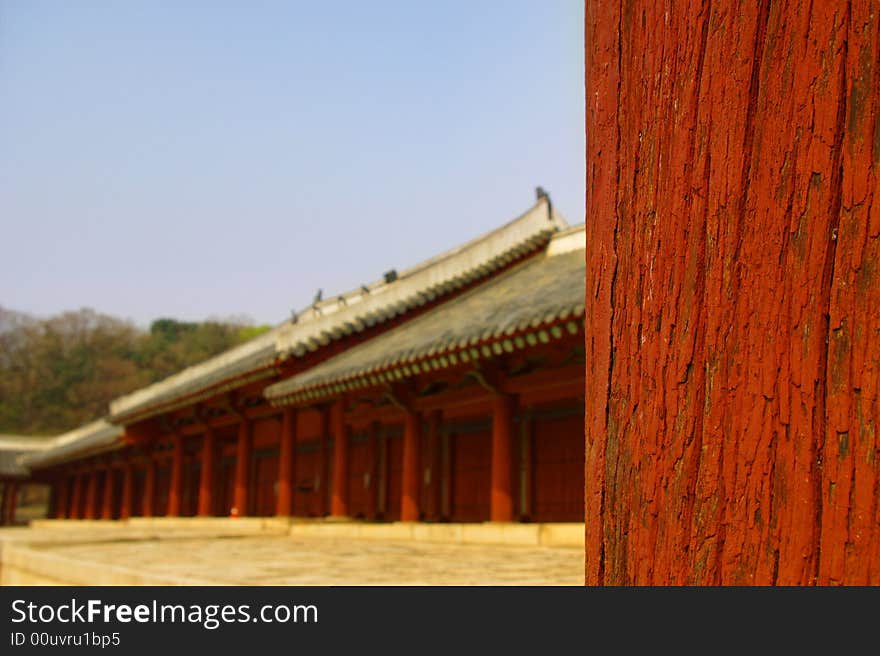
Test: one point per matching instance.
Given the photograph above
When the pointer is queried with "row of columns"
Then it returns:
(69, 498)
(8, 503)
(501, 498)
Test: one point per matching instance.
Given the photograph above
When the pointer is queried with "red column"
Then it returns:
(409, 503)
(75, 497)
(149, 499)
(502, 460)
(432, 485)
(175, 489)
(10, 502)
(752, 458)
(107, 505)
(339, 501)
(242, 468)
(373, 471)
(322, 463)
(127, 503)
(206, 482)
(92, 511)
(287, 463)
(4, 502)
(61, 498)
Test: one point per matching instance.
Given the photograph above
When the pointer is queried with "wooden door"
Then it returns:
(391, 478)
(192, 477)
(361, 477)
(225, 485)
(558, 468)
(163, 486)
(471, 460)
(265, 477)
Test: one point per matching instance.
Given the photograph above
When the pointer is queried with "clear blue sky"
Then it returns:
(195, 159)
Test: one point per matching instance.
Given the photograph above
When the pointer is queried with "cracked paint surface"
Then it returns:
(733, 292)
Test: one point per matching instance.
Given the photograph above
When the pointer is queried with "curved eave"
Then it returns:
(438, 277)
(177, 402)
(97, 437)
(438, 358)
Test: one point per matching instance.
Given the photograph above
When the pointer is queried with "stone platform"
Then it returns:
(253, 551)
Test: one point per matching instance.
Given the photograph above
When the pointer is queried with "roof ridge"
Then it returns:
(326, 321)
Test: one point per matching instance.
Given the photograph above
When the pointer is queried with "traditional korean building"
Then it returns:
(452, 391)
(13, 475)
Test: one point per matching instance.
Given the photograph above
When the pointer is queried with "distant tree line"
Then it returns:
(61, 372)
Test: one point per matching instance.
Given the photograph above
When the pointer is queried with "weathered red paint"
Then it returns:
(733, 287)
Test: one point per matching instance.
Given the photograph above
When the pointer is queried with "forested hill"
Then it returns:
(61, 372)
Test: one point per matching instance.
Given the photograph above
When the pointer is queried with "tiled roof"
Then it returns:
(254, 357)
(535, 302)
(422, 284)
(336, 317)
(14, 446)
(91, 438)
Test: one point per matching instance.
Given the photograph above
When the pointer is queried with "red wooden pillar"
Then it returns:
(501, 499)
(107, 505)
(321, 483)
(61, 498)
(127, 502)
(53, 501)
(287, 463)
(339, 500)
(527, 469)
(409, 502)
(92, 510)
(432, 471)
(206, 482)
(175, 490)
(373, 471)
(10, 503)
(75, 497)
(242, 468)
(732, 291)
(4, 500)
(446, 446)
(149, 500)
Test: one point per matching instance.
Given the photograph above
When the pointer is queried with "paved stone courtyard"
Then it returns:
(267, 559)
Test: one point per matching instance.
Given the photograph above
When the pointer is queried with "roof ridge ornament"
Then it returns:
(541, 194)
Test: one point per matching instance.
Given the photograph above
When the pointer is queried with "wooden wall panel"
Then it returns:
(558, 469)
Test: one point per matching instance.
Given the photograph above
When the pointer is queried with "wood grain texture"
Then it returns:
(733, 292)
